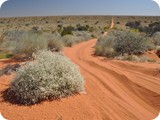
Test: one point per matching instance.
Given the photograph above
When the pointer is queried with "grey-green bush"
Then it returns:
(49, 76)
(78, 36)
(122, 42)
(67, 30)
(69, 40)
(24, 42)
(104, 46)
(156, 38)
(30, 43)
(56, 40)
(82, 36)
(11, 39)
(134, 58)
(130, 43)
(27, 42)
(55, 45)
(53, 41)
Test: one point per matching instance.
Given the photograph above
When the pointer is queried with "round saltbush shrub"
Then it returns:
(117, 43)
(49, 76)
(104, 46)
(130, 43)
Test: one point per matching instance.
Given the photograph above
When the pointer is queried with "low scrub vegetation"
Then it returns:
(130, 43)
(156, 38)
(134, 58)
(3, 56)
(78, 36)
(118, 43)
(82, 28)
(133, 24)
(149, 29)
(49, 76)
(69, 40)
(53, 42)
(67, 31)
(104, 46)
(27, 42)
(24, 43)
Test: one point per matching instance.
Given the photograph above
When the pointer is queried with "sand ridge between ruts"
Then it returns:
(116, 90)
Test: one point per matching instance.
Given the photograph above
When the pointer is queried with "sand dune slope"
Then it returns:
(116, 90)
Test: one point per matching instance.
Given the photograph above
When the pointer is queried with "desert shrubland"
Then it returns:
(78, 36)
(24, 43)
(118, 43)
(28, 42)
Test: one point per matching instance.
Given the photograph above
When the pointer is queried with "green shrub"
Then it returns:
(2, 56)
(27, 42)
(78, 36)
(53, 41)
(128, 57)
(69, 40)
(117, 22)
(151, 29)
(55, 45)
(135, 30)
(82, 36)
(22, 42)
(121, 42)
(91, 29)
(156, 38)
(35, 30)
(14, 35)
(67, 31)
(104, 46)
(50, 76)
(81, 28)
(130, 43)
(30, 43)
(133, 24)
(134, 58)
(1, 38)
(11, 40)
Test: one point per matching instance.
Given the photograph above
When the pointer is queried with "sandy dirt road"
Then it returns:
(118, 90)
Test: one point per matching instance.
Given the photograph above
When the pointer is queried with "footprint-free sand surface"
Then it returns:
(115, 90)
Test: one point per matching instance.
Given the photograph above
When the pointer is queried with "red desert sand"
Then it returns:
(116, 90)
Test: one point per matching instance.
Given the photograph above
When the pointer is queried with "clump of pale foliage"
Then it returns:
(49, 76)
(78, 36)
(122, 42)
(104, 46)
(130, 43)
(27, 42)
(134, 58)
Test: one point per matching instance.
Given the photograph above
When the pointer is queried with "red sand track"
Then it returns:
(116, 90)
